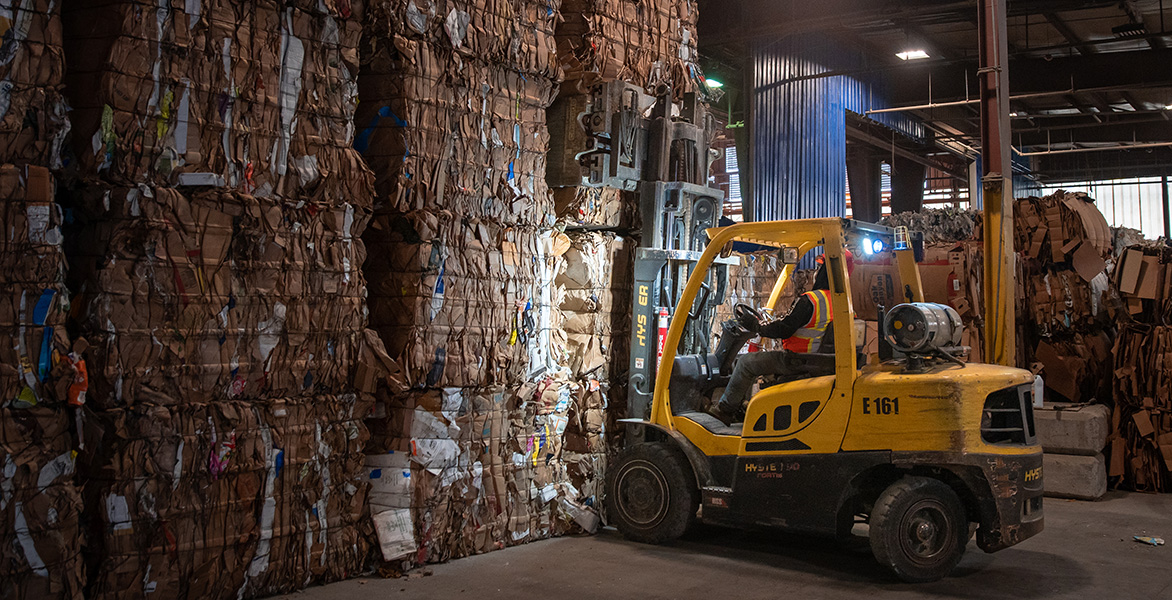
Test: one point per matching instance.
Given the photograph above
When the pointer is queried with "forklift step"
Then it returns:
(716, 498)
(712, 424)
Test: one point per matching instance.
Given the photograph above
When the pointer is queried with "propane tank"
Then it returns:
(923, 327)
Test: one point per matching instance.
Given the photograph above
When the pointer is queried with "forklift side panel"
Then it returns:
(797, 492)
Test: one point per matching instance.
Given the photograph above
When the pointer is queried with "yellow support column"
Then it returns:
(999, 284)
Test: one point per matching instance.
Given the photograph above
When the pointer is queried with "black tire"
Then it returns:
(919, 529)
(651, 494)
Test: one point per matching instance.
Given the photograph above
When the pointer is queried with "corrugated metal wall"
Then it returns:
(803, 86)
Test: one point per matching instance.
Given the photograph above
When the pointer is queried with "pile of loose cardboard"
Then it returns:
(1141, 439)
(1141, 445)
(33, 114)
(39, 503)
(257, 97)
(1063, 243)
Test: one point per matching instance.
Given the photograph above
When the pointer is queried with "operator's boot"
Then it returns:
(724, 413)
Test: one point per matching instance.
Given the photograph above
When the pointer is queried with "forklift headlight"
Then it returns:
(873, 247)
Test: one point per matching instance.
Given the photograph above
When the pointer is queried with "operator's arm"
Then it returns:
(798, 316)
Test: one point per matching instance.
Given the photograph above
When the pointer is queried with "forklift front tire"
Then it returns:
(918, 529)
(651, 493)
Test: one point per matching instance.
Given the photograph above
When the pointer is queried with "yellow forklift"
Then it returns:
(920, 446)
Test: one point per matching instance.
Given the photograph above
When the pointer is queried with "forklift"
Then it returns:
(925, 449)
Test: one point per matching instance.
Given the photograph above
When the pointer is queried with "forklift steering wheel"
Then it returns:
(748, 317)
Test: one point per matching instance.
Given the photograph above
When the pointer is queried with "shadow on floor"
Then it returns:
(800, 560)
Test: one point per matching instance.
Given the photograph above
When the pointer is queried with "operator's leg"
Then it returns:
(749, 367)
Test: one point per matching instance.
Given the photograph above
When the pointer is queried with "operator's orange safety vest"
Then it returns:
(803, 339)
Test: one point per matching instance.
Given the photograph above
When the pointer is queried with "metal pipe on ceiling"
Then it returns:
(1102, 149)
(931, 105)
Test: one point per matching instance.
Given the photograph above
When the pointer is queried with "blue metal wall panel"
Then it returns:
(803, 86)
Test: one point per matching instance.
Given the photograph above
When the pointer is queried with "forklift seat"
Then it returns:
(712, 424)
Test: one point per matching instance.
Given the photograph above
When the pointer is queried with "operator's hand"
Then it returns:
(747, 317)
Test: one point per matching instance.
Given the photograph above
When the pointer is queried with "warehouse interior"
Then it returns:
(423, 298)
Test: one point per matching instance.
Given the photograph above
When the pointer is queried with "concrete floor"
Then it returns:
(1086, 551)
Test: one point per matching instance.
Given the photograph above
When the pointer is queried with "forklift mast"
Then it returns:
(635, 143)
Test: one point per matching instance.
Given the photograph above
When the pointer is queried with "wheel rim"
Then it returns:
(925, 532)
(643, 494)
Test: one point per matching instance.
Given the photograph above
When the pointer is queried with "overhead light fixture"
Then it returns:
(715, 84)
(912, 55)
(1014, 114)
(1168, 107)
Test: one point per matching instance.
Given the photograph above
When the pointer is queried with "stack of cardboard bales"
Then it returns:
(40, 504)
(217, 264)
(1141, 440)
(461, 265)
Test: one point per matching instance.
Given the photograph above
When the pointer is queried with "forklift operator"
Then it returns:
(801, 331)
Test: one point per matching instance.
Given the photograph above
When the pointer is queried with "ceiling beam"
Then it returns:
(739, 21)
(1130, 70)
(1151, 131)
(1071, 37)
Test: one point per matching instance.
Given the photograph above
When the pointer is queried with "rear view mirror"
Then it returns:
(789, 256)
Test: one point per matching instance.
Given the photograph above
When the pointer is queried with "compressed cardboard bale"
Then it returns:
(33, 113)
(512, 34)
(260, 99)
(1072, 430)
(446, 132)
(227, 499)
(1074, 476)
(460, 302)
(218, 295)
(593, 295)
(597, 207)
(40, 508)
(647, 44)
(484, 468)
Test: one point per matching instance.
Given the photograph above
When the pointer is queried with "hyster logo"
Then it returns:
(1034, 474)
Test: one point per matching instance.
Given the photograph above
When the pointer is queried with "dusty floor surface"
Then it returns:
(1086, 551)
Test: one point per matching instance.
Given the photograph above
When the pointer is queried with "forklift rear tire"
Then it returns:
(651, 493)
(919, 529)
